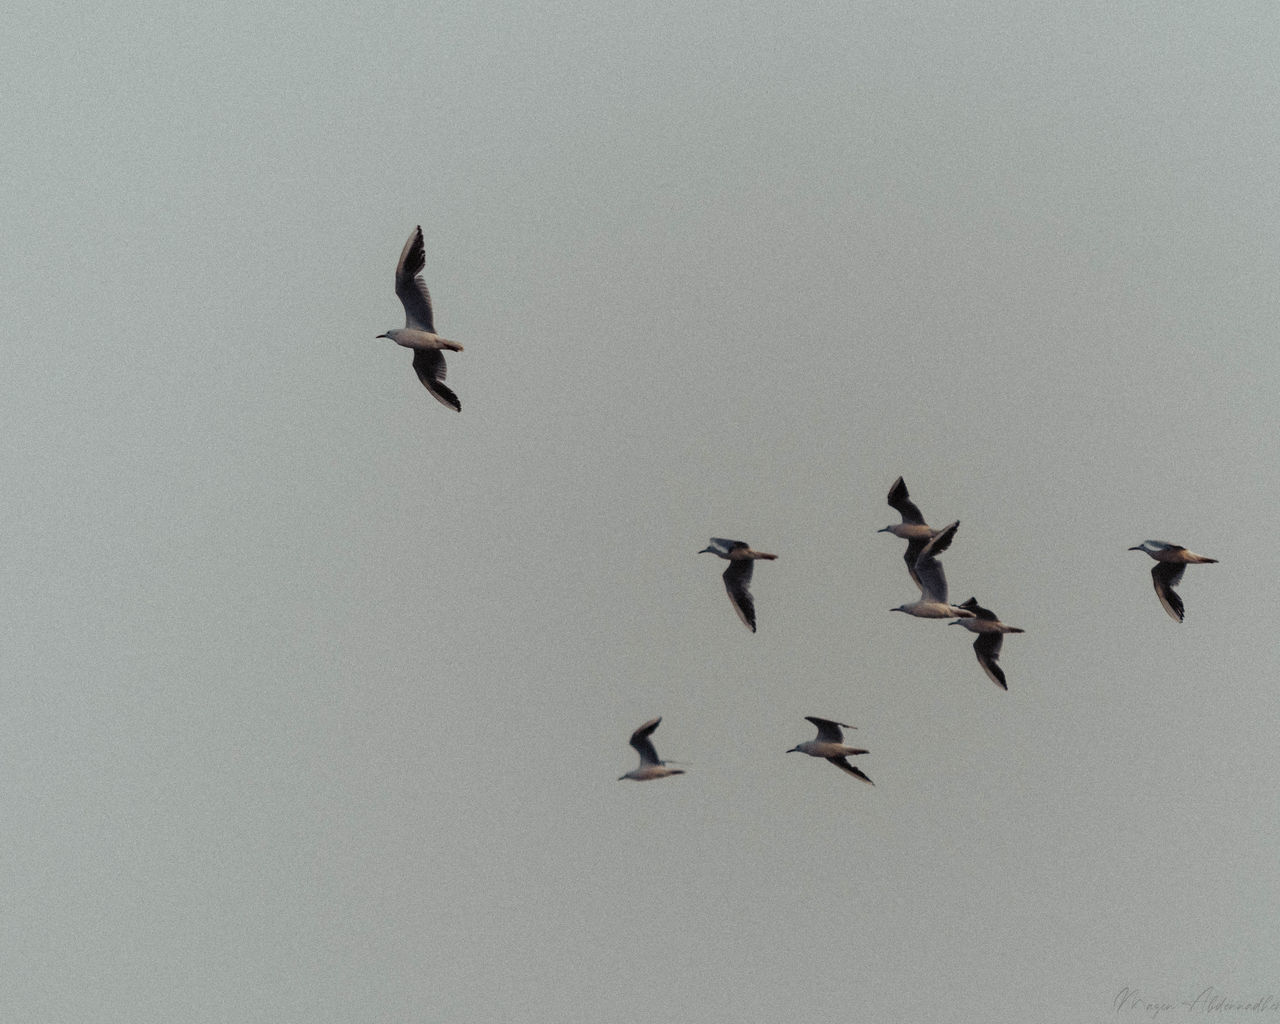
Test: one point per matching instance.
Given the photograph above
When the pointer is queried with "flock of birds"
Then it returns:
(924, 545)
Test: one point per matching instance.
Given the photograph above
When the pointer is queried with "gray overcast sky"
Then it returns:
(317, 693)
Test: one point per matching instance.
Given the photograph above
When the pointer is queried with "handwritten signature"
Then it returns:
(1209, 1000)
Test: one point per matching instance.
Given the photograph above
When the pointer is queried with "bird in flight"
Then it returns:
(913, 529)
(933, 581)
(651, 767)
(419, 332)
(1171, 562)
(737, 578)
(829, 745)
(990, 632)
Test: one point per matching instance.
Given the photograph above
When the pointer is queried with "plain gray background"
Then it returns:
(316, 694)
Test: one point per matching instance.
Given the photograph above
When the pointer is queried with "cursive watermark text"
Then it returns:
(1209, 1000)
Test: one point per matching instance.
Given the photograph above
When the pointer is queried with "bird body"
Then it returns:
(928, 573)
(1163, 551)
(651, 767)
(419, 332)
(737, 577)
(830, 746)
(411, 338)
(990, 632)
(1172, 561)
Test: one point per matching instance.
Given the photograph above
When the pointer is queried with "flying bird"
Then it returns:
(1171, 563)
(990, 632)
(913, 529)
(830, 746)
(650, 765)
(933, 581)
(419, 332)
(737, 577)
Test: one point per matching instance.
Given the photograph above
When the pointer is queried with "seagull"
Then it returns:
(737, 578)
(1172, 562)
(990, 632)
(418, 332)
(830, 745)
(650, 766)
(913, 529)
(933, 582)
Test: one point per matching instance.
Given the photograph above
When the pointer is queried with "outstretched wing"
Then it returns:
(914, 546)
(829, 731)
(978, 611)
(737, 581)
(901, 502)
(411, 289)
(428, 363)
(845, 766)
(644, 746)
(1166, 576)
(987, 648)
(929, 574)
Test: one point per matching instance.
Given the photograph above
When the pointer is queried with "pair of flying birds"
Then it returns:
(828, 745)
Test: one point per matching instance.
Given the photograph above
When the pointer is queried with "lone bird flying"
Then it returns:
(990, 632)
(1171, 563)
(419, 332)
(933, 581)
(830, 746)
(737, 578)
(913, 529)
(650, 766)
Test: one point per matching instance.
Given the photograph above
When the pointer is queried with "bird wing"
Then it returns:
(941, 540)
(932, 579)
(845, 766)
(978, 611)
(828, 731)
(987, 648)
(644, 746)
(914, 546)
(1166, 576)
(929, 574)
(901, 502)
(429, 364)
(737, 580)
(410, 288)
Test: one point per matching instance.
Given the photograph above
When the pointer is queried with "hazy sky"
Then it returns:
(316, 693)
